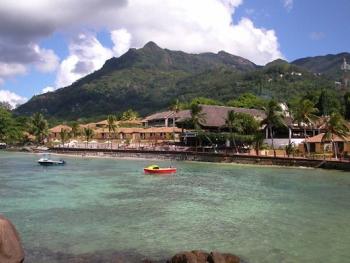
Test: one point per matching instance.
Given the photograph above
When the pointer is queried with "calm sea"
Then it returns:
(97, 209)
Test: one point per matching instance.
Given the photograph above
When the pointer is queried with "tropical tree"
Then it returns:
(328, 102)
(347, 105)
(129, 115)
(335, 127)
(88, 133)
(304, 114)
(197, 118)
(176, 107)
(258, 140)
(247, 100)
(64, 136)
(10, 129)
(112, 126)
(75, 130)
(274, 118)
(230, 121)
(38, 127)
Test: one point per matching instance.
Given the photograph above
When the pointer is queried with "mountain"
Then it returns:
(328, 65)
(151, 78)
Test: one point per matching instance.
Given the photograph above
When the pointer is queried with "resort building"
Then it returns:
(130, 123)
(214, 120)
(152, 134)
(318, 146)
(165, 118)
(293, 133)
(54, 133)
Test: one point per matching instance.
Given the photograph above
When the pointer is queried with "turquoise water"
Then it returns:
(99, 208)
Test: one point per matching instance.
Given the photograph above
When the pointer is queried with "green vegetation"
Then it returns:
(273, 119)
(304, 114)
(129, 115)
(335, 126)
(150, 79)
(64, 136)
(112, 127)
(11, 129)
(38, 127)
(88, 133)
(248, 100)
(75, 132)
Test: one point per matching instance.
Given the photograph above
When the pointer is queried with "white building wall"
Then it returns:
(283, 142)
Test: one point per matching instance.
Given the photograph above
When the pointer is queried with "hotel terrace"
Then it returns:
(129, 132)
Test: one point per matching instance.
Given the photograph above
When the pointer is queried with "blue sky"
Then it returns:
(45, 52)
(309, 28)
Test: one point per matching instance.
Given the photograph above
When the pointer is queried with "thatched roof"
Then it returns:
(318, 139)
(60, 127)
(215, 116)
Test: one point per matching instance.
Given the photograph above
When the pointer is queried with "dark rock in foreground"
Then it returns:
(197, 256)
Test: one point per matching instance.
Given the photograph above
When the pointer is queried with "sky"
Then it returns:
(49, 44)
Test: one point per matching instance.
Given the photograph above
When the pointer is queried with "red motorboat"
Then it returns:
(155, 169)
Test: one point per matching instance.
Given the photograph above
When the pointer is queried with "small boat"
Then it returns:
(47, 161)
(155, 169)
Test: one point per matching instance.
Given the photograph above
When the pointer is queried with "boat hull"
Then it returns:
(51, 163)
(160, 171)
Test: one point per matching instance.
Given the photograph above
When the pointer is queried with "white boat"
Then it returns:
(47, 161)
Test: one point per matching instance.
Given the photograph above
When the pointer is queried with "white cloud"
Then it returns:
(12, 98)
(122, 40)
(190, 25)
(288, 4)
(196, 26)
(86, 54)
(10, 69)
(48, 61)
(47, 89)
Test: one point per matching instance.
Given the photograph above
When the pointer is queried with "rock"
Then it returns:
(202, 256)
(184, 257)
(216, 257)
(198, 256)
(11, 250)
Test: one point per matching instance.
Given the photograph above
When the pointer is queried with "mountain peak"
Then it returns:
(151, 45)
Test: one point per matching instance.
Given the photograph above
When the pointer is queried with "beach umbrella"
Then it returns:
(56, 141)
(93, 142)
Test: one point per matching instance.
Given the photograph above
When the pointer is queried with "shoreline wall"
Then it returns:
(209, 157)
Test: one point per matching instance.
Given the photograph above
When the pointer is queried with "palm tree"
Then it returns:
(176, 107)
(39, 127)
(88, 134)
(112, 126)
(335, 127)
(274, 118)
(304, 115)
(258, 140)
(197, 118)
(230, 121)
(64, 135)
(75, 130)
